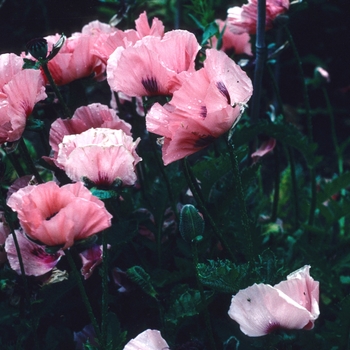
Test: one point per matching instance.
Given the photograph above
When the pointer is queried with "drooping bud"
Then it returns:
(191, 223)
(37, 48)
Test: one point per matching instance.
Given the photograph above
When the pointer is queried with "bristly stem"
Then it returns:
(276, 193)
(294, 182)
(192, 183)
(260, 47)
(28, 160)
(203, 299)
(83, 294)
(49, 77)
(104, 290)
(309, 124)
(241, 200)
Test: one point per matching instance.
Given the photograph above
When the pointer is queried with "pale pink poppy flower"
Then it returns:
(94, 115)
(265, 148)
(20, 90)
(239, 43)
(243, 19)
(91, 258)
(153, 66)
(56, 215)
(292, 304)
(36, 260)
(102, 155)
(108, 42)
(150, 339)
(206, 106)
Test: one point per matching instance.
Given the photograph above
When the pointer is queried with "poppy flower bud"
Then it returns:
(37, 48)
(191, 223)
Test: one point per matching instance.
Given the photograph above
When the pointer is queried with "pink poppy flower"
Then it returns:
(108, 42)
(102, 155)
(148, 340)
(243, 19)
(239, 43)
(35, 259)
(292, 304)
(59, 215)
(206, 106)
(94, 115)
(4, 233)
(153, 66)
(20, 90)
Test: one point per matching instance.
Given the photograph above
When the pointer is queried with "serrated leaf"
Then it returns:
(139, 276)
(287, 134)
(221, 275)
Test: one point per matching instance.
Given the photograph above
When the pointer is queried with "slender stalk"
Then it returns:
(28, 160)
(309, 124)
(49, 77)
(276, 193)
(83, 294)
(260, 47)
(104, 291)
(203, 299)
(338, 153)
(294, 186)
(16, 164)
(198, 197)
(241, 200)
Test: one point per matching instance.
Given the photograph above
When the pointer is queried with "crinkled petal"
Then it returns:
(147, 340)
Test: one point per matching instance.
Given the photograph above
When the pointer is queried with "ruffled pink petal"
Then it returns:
(261, 309)
(35, 259)
(143, 28)
(304, 290)
(265, 148)
(102, 155)
(10, 65)
(59, 215)
(147, 340)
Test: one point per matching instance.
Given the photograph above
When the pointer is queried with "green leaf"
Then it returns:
(186, 303)
(139, 276)
(115, 337)
(198, 23)
(30, 64)
(333, 187)
(210, 30)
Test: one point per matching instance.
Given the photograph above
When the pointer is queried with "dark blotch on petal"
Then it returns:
(272, 327)
(203, 140)
(203, 112)
(151, 85)
(222, 88)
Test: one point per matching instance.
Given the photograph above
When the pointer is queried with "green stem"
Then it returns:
(294, 186)
(83, 294)
(309, 124)
(104, 291)
(276, 193)
(16, 164)
(28, 160)
(198, 197)
(241, 200)
(201, 292)
(49, 77)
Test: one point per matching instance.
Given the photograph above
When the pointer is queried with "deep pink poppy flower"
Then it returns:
(35, 259)
(239, 43)
(94, 115)
(102, 155)
(59, 215)
(206, 106)
(150, 339)
(20, 90)
(153, 66)
(243, 19)
(292, 304)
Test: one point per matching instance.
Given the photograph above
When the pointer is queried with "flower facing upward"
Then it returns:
(153, 66)
(243, 19)
(102, 155)
(59, 215)
(207, 105)
(20, 90)
(292, 304)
